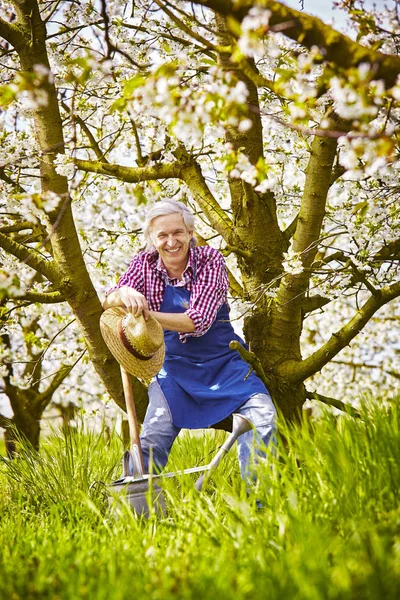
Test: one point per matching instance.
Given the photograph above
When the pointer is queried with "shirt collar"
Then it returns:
(158, 265)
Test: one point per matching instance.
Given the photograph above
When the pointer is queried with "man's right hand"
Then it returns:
(129, 298)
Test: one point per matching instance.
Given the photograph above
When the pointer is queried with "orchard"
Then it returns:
(282, 134)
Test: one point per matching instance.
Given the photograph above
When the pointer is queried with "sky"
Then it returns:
(325, 11)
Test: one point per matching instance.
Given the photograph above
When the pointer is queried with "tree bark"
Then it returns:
(74, 280)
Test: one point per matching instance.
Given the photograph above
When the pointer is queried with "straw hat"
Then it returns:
(138, 345)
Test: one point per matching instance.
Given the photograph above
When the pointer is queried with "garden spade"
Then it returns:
(136, 488)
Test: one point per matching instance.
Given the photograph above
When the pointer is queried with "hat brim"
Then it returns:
(143, 369)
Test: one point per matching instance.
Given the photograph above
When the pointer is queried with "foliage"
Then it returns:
(329, 527)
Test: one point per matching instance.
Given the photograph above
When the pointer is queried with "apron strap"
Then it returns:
(194, 264)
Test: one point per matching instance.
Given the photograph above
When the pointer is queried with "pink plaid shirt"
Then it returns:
(147, 274)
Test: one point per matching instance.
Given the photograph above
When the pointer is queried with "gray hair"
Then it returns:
(167, 207)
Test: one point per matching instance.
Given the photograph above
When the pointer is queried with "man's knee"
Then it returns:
(158, 432)
(260, 410)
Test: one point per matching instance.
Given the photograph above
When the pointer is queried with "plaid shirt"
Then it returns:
(148, 275)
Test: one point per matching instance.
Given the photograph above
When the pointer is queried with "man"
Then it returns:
(202, 381)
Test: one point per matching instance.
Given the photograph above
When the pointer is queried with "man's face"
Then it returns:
(171, 239)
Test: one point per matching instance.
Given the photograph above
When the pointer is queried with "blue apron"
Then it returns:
(202, 379)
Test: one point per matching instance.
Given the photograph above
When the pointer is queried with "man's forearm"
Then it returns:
(174, 321)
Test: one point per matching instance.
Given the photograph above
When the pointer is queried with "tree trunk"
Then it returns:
(27, 428)
(74, 280)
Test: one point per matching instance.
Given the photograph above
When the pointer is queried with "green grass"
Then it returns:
(2, 447)
(330, 527)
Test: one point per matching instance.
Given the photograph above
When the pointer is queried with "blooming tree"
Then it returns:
(279, 131)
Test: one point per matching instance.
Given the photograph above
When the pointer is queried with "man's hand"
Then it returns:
(129, 298)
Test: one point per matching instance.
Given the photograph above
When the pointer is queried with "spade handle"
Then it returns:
(132, 418)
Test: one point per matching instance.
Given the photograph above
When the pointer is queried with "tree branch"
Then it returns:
(7, 179)
(42, 400)
(338, 256)
(11, 33)
(93, 142)
(251, 359)
(235, 287)
(299, 371)
(40, 297)
(30, 258)
(388, 251)
(131, 174)
(310, 31)
(313, 303)
(257, 78)
(182, 25)
(139, 160)
(18, 226)
(174, 38)
(360, 276)
(347, 408)
(291, 228)
(191, 174)
(355, 365)
(246, 254)
(286, 322)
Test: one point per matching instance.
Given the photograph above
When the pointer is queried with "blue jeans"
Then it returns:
(159, 433)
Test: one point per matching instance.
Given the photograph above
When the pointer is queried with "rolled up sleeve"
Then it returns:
(208, 294)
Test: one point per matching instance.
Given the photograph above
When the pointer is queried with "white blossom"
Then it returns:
(64, 165)
(268, 183)
(292, 263)
(245, 125)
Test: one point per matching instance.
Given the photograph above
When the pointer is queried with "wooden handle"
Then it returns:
(131, 410)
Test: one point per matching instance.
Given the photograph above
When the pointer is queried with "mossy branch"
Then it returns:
(235, 287)
(297, 372)
(390, 250)
(131, 174)
(306, 240)
(42, 400)
(314, 303)
(291, 228)
(217, 217)
(30, 258)
(310, 31)
(251, 359)
(246, 254)
(39, 297)
(182, 25)
(18, 226)
(93, 142)
(347, 408)
(257, 78)
(11, 33)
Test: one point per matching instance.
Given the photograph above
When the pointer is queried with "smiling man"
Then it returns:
(202, 380)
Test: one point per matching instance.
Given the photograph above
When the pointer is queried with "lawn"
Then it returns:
(330, 526)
